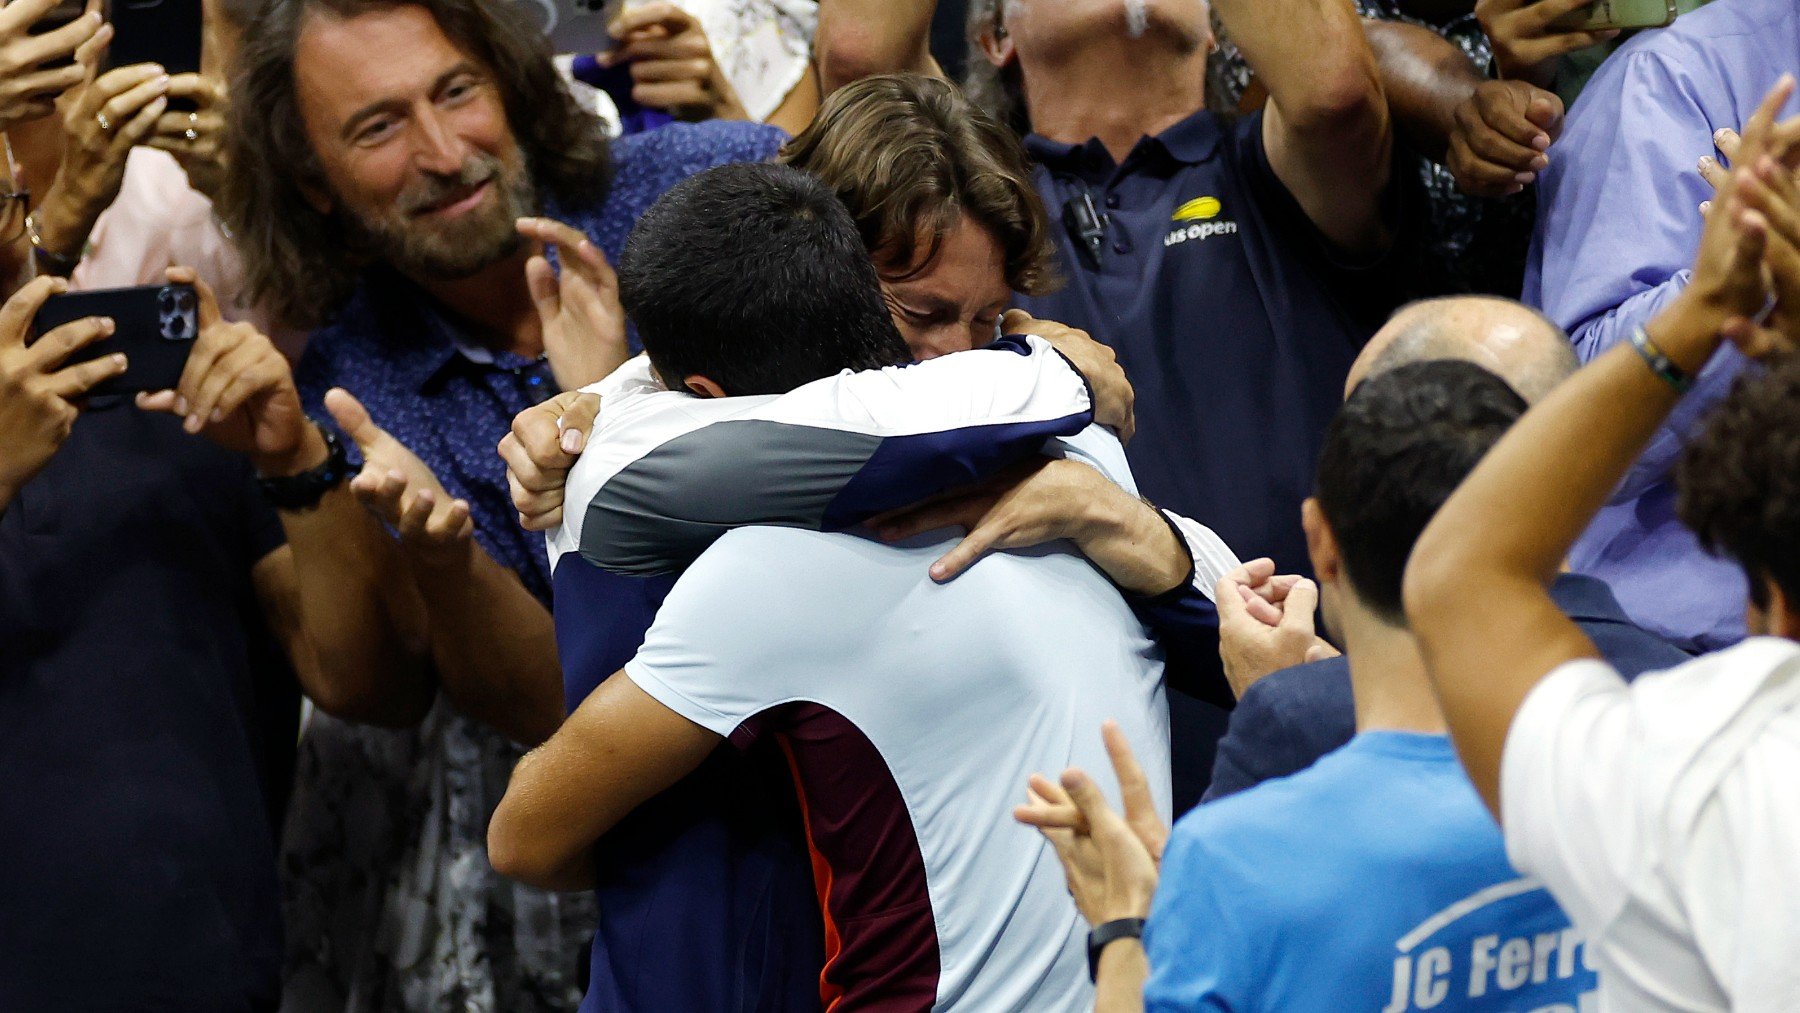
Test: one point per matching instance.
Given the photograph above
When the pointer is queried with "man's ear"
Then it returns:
(1321, 544)
(702, 387)
(1784, 615)
(997, 45)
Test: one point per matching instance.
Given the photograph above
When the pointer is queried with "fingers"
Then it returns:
(1728, 142)
(124, 92)
(639, 17)
(204, 396)
(1015, 321)
(352, 418)
(577, 420)
(1134, 787)
(1302, 603)
(380, 492)
(81, 377)
(16, 315)
(207, 304)
(694, 69)
(985, 535)
(546, 295)
(19, 15)
(63, 41)
(1320, 650)
(139, 126)
(1089, 801)
(49, 350)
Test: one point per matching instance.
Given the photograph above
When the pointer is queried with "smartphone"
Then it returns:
(575, 26)
(58, 16)
(154, 325)
(166, 32)
(1602, 15)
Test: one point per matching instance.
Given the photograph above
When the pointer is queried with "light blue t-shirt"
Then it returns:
(1371, 881)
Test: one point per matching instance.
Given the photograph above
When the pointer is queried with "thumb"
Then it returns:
(207, 310)
(1228, 601)
(353, 418)
(1302, 602)
(1015, 321)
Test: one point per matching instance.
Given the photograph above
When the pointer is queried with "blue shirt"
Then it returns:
(1618, 228)
(696, 861)
(146, 727)
(1290, 718)
(1372, 881)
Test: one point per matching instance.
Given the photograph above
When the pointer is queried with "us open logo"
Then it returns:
(1195, 221)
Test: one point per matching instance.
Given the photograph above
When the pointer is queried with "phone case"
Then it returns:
(1606, 14)
(155, 326)
(575, 26)
(165, 32)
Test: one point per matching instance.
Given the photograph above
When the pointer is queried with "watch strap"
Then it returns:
(1659, 363)
(305, 490)
(1110, 932)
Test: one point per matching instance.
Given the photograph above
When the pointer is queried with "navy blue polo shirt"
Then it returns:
(146, 719)
(1228, 311)
(1290, 718)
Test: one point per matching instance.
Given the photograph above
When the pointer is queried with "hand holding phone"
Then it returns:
(154, 326)
(1603, 15)
(39, 40)
(1530, 36)
(42, 381)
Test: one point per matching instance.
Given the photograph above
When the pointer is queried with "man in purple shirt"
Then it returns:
(1618, 222)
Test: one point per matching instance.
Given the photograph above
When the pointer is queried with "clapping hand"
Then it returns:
(1111, 861)
(400, 489)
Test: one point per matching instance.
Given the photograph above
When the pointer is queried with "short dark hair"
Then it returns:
(754, 277)
(1400, 445)
(909, 155)
(1739, 479)
(302, 263)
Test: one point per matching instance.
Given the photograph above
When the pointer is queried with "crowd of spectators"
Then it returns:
(1252, 505)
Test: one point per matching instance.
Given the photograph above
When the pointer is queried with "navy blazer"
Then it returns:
(1292, 717)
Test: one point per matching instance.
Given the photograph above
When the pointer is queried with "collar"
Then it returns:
(1189, 141)
(1586, 599)
(422, 342)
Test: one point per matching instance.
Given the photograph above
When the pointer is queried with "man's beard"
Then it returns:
(422, 248)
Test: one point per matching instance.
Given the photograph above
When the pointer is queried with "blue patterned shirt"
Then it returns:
(404, 361)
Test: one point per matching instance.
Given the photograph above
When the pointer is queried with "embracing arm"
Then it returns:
(617, 750)
(1327, 128)
(860, 38)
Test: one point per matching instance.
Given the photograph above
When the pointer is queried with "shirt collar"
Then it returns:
(1585, 598)
(1189, 141)
(423, 342)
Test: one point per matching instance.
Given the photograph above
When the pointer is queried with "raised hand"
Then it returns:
(1111, 861)
(582, 320)
(539, 451)
(1498, 143)
(38, 394)
(400, 489)
(1114, 398)
(238, 390)
(672, 64)
(30, 79)
(197, 138)
(1527, 42)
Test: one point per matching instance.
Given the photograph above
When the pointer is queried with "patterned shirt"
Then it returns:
(391, 901)
(1468, 244)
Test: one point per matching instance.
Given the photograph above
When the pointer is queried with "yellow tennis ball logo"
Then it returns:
(1199, 209)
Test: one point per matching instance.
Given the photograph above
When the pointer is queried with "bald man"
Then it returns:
(1286, 720)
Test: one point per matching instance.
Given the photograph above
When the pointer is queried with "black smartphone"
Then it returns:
(165, 32)
(154, 325)
(63, 13)
(575, 26)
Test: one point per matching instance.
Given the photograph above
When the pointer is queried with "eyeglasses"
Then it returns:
(14, 206)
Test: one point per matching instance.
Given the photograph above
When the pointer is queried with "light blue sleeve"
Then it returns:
(1619, 222)
(1202, 955)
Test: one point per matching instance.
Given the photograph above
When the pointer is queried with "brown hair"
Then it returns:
(302, 264)
(909, 155)
(1739, 479)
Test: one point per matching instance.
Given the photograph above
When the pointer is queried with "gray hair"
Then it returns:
(997, 91)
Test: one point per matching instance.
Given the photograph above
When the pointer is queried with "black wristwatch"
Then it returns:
(1110, 932)
(305, 490)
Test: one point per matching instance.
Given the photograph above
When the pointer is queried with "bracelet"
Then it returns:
(1110, 932)
(1659, 363)
(60, 263)
(305, 490)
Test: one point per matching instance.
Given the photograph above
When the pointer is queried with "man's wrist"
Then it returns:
(309, 452)
(1687, 331)
(61, 231)
(1136, 546)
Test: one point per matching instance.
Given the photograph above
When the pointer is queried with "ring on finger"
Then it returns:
(105, 124)
(192, 133)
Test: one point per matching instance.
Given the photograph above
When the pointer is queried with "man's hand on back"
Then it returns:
(539, 451)
(1113, 396)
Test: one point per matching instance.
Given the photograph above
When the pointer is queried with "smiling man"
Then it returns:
(382, 156)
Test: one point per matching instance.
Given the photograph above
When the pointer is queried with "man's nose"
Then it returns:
(440, 149)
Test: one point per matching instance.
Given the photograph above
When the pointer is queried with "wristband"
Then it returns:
(305, 490)
(1659, 363)
(1110, 932)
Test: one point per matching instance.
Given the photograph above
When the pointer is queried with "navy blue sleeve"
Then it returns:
(1283, 723)
(1186, 624)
